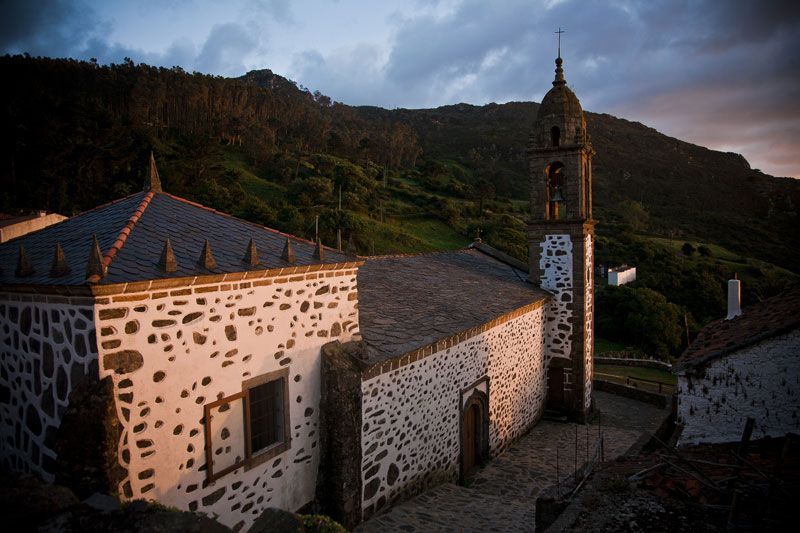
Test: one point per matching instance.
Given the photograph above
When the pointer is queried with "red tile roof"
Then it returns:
(758, 322)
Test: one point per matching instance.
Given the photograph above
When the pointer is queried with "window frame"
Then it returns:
(278, 447)
(249, 460)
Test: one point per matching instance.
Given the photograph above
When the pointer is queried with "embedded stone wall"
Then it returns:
(761, 381)
(47, 346)
(588, 345)
(411, 415)
(555, 261)
(172, 352)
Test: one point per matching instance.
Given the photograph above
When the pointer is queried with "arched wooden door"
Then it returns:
(474, 433)
(472, 421)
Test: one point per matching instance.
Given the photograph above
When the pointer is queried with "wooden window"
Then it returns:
(249, 427)
(267, 416)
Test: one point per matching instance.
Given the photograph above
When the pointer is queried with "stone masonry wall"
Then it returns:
(172, 352)
(410, 435)
(761, 381)
(47, 346)
(555, 262)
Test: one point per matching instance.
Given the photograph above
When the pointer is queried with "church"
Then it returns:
(244, 368)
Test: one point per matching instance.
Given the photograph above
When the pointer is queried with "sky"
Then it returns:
(720, 73)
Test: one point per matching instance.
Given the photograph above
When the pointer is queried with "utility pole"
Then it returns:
(339, 218)
(316, 228)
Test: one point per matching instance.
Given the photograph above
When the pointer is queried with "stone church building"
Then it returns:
(243, 368)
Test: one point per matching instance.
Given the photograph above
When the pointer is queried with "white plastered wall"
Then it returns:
(411, 416)
(588, 326)
(761, 381)
(197, 347)
(45, 348)
(555, 261)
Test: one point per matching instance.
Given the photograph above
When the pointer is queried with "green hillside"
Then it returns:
(76, 134)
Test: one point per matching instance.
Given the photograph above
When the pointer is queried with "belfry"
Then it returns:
(561, 243)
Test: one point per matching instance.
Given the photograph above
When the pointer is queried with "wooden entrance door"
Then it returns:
(555, 388)
(472, 420)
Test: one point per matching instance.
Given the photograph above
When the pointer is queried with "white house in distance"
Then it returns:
(747, 365)
(621, 275)
(242, 368)
(12, 227)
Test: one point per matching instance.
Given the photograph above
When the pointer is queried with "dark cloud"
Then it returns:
(46, 27)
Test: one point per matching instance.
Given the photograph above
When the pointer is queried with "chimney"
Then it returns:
(734, 298)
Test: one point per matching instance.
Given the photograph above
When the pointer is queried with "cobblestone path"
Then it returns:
(502, 495)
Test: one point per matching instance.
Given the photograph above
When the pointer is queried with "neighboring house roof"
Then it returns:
(131, 233)
(407, 302)
(758, 322)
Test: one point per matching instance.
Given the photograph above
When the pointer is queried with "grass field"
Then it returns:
(732, 261)
(434, 232)
(618, 374)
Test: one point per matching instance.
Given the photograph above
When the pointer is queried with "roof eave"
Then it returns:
(688, 364)
(107, 289)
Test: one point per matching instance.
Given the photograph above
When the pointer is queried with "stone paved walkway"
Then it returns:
(502, 495)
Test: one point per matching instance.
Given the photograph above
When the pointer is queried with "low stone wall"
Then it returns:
(659, 400)
(624, 361)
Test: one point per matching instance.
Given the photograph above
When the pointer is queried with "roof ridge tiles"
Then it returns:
(122, 237)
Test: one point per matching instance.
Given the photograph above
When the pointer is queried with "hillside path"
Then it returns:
(502, 496)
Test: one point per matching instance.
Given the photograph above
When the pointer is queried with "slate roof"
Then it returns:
(407, 302)
(132, 254)
(769, 318)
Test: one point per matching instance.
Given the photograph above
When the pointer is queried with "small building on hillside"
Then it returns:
(747, 365)
(12, 227)
(621, 275)
(234, 368)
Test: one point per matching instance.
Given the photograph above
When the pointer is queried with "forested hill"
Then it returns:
(687, 190)
(76, 134)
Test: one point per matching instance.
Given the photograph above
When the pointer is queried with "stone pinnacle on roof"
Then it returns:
(167, 262)
(319, 251)
(59, 266)
(206, 259)
(288, 252)
(24, 266)
(559, 73)
(152, 183)
(95, 266)
(251, 254)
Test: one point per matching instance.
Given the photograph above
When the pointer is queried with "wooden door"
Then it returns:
(471, 421)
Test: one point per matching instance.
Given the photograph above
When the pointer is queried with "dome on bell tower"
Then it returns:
(560, 121)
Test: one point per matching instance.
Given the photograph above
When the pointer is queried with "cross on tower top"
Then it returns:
(559, 32)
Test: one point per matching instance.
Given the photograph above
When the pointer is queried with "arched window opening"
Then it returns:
(555, 190)
(555, 136)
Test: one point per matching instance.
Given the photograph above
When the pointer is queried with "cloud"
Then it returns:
(723, 74)
(225, 49)
(278, 10)
(47, 27)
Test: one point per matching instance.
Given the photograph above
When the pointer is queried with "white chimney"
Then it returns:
(734, 298)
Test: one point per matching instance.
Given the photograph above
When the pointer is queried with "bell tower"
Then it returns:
(561, 244)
